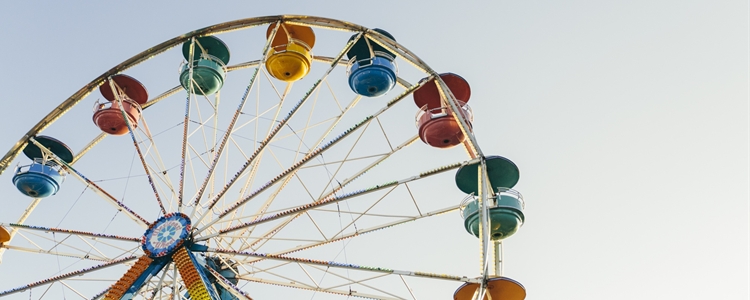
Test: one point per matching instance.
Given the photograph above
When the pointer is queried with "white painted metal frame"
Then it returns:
(230, 226)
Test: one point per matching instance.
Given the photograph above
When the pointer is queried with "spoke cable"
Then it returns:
(59, 268)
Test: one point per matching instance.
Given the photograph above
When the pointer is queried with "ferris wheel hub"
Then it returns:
(166, 235)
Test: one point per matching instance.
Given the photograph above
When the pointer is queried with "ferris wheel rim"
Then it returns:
(76, 97)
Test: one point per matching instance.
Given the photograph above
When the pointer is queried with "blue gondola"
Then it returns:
(43, 177)
(372, 70)
(38, 180)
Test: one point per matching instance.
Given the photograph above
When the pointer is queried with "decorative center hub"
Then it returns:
(165, 235)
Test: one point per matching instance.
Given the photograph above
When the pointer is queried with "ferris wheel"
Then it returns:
(271, 147)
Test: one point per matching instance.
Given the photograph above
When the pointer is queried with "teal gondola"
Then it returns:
(208, 65)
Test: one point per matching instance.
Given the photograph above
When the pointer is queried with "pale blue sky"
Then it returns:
(628, 120)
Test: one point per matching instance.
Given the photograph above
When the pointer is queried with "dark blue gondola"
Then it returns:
(372, 70)
(43, 177)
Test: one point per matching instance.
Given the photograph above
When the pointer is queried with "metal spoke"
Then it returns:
(93, 186)
(337, 265)
(69, 231)
(125, 117)
(363, 231)
(56, 253)
(21, 220)
(277, 128)
(67, 275)
(237, 292)
(297, 285)
(217, 154)
(158, 287)
(313, 154)
(273, 196)
(333, 199)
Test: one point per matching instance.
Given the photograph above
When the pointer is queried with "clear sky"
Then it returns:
(628, 120)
